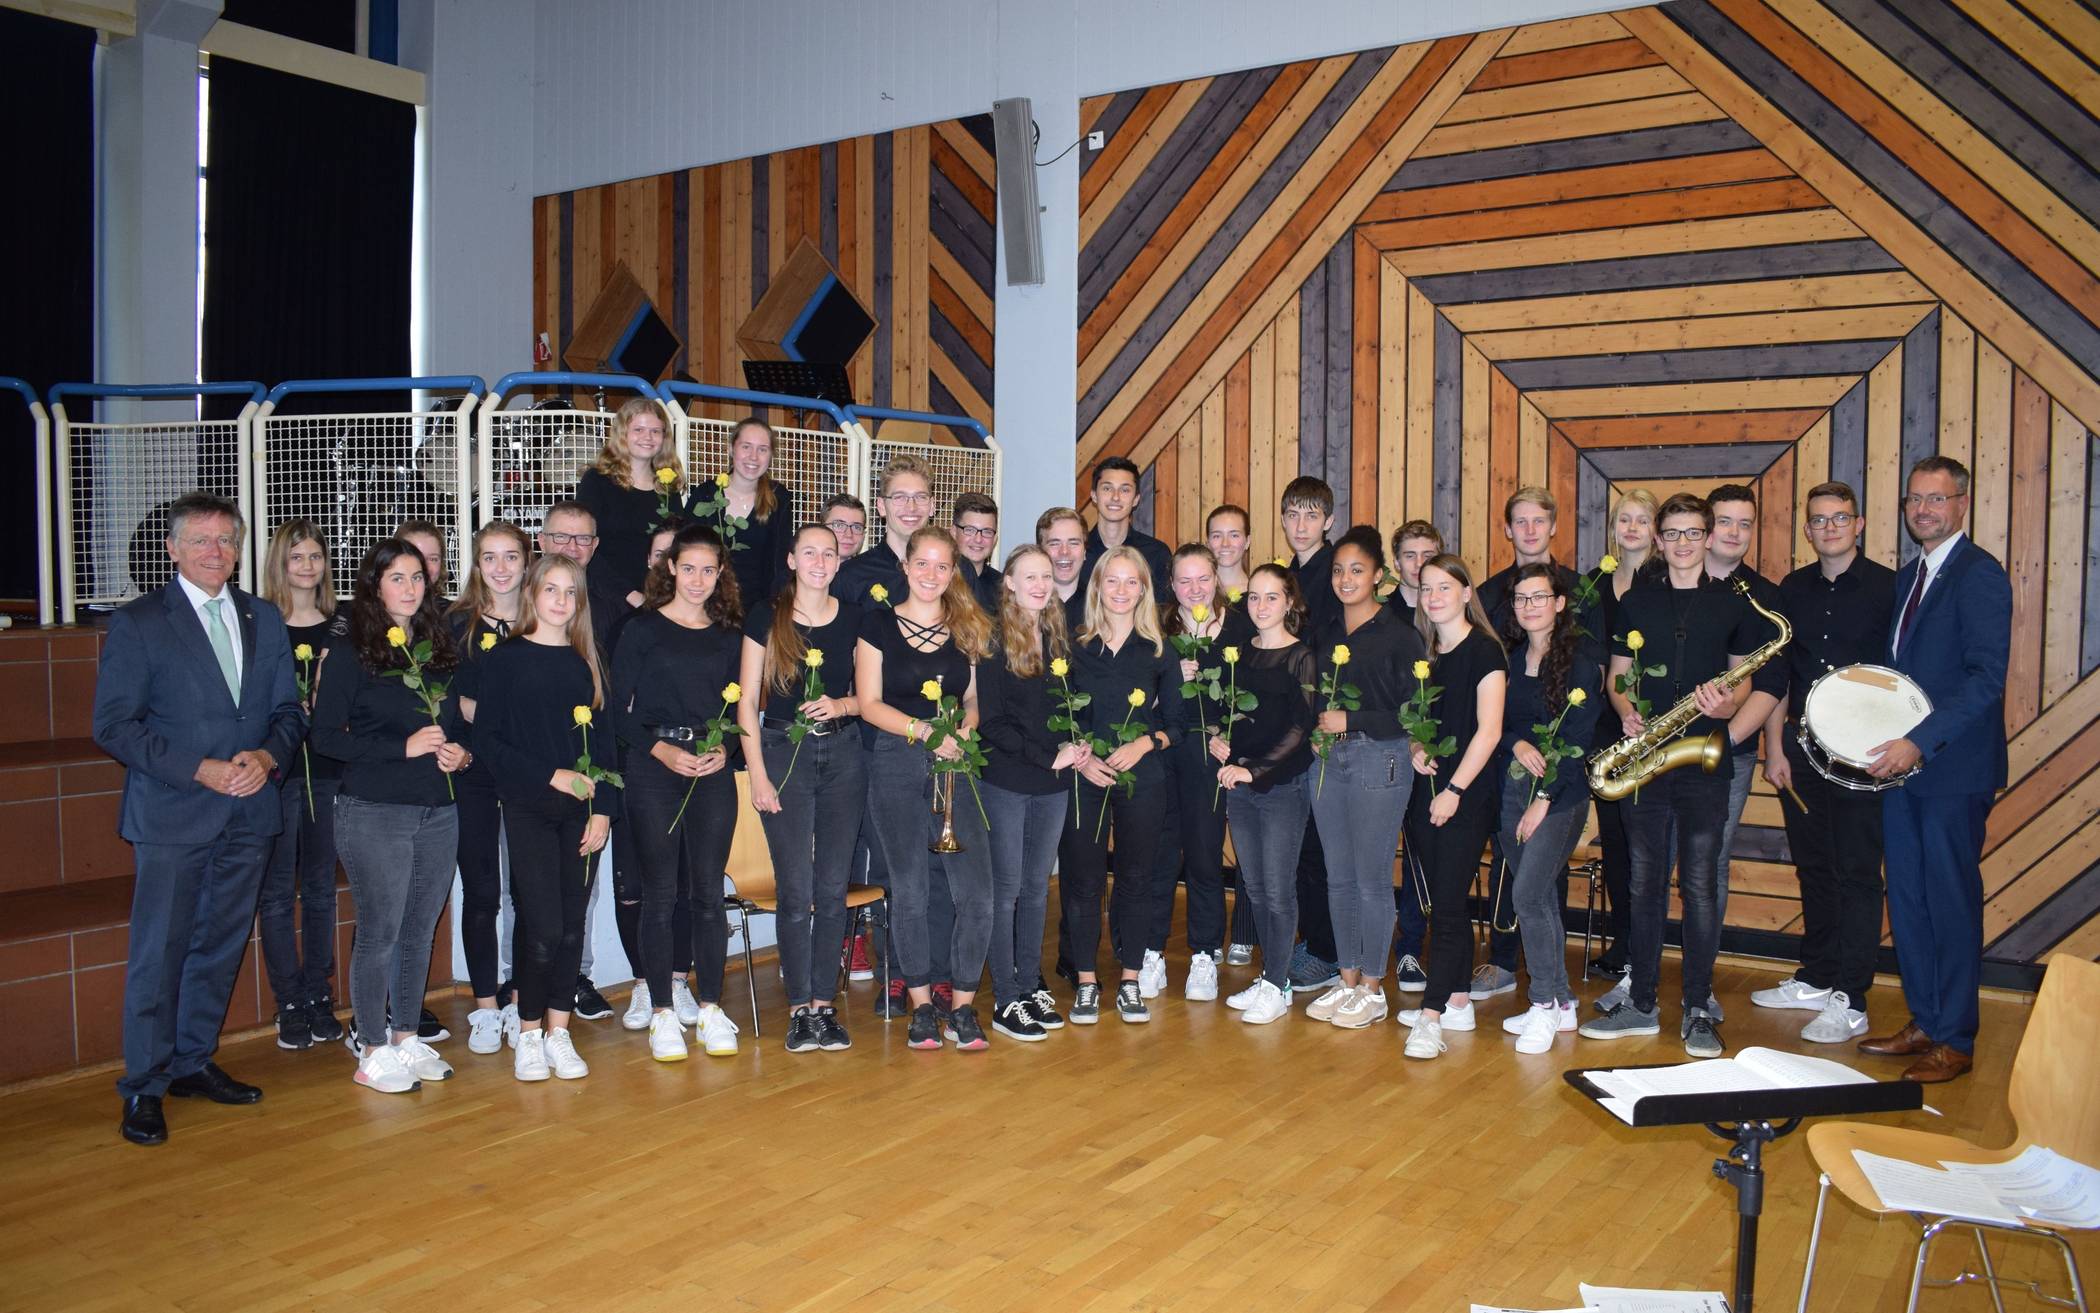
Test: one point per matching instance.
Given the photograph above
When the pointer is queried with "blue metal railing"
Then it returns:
(468, 383)
(157, 391)
(557, 378)
(858, 413)
(709, 392)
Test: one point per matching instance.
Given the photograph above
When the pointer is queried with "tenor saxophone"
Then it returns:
(1626, 765)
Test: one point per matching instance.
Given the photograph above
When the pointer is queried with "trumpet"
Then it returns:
(944, 807)
(1626, 765)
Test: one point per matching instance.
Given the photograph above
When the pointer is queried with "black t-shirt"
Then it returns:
(905, 667)
(666, 675)
(524, 726)
(834, 639)
(1691, 633)
(1382, 656)
(877, 565)
(316, 637)
(1156, 553)
(759, 554)
(1457, 710)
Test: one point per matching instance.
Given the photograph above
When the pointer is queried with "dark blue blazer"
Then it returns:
(161, 708)
(1959, 643)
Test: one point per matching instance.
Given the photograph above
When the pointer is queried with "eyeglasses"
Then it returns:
(911, 498)
(570, 539)
(1841, 520)
(974, 531)
(843, 527)
(1688, 535)
(1529, 601)
(1934, 500)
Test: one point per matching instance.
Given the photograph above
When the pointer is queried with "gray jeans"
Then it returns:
(900, 803)
(1738, 794)
(1535, 869)
(1267, 831)
(1359, 808)
(1025, 830)
(399, 858)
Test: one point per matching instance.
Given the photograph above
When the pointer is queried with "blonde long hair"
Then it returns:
(276, 581)
(475, 598)
(1475, 615)
(616, 460)
(1145, 620)
(1028, 640)
(968, 626)
(580, 638)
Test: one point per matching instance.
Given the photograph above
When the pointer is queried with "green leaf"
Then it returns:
(1448, 746)
(613, 778)
(1245, 702)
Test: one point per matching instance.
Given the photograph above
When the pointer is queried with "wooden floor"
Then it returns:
(1192, 1163)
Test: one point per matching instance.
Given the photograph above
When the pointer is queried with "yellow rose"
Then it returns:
(722, 479)
(1341, 654)
(814, 659)
(879, 593)
(1199, 613)
(1421, 670)
(1060, 667)
(1233, 595)
(1137, 697)
(1232, 656)
(1634, 641)
(397, 637)
(930, 690)
(1610, 564)
(732, 693)
(1281, 562)
(303, 652)
(488, 641)
(1577, 696)
(667, 476)
(582, 715)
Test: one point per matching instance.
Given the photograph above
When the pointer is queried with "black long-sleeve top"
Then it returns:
(1274, 742)
(665, 676)
(316, 637)
(1771, 677)
(1234, 630)
(1013, 715)
(759, 555)
(363, 719)
(1690, 632)
(1496, 596)
(1111, 676)
(1837, 622)
(1525, 706)
(1316, 584)
(877, 565)
(524, 725)
(627, 518)
(1382, 656)
(835, 640)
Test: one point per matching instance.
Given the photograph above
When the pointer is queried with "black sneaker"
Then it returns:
(1042, 1008)
(1086, 1005)
(831, 1033)
(506, 994)
(802, 1033)
(1130, 1003)
(590, 1004)
(944, 998)
(429, 1029)
(321, 1022)
(1016, 1022)
(293, 1030)
(893, 1002)
(925, 1028)
(965, 1032)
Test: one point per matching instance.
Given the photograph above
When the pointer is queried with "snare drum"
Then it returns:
(1852, 710)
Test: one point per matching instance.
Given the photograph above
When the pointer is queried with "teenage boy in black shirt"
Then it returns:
(1307, 510)
(1115, 498)
(976, 521)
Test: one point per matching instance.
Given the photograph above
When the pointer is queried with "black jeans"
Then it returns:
(1618, 873)
(400, 859)
(480, 876)
(694, 854)
(1837, 857)
(900, 803)
(1192, 849)
(811, 842)
(1133, 825)
(1267, 831)
(1697, 804)
(1450, 855)
(550, 884)
(1315, 922)
(1024, 834)
(301, 871)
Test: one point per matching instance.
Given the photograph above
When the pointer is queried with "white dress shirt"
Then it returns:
(232, 619)
(1931, 564)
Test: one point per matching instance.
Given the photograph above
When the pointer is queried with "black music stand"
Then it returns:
(1746, 1116)
(800, 378)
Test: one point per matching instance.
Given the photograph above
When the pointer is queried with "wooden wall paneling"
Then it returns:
(2065, 624)
(1421, 406)
(1101, 165)
(865, 254)
(1479, 517)
(1811, 467)
(2054, 54)
(1957, 387)
(1138, 150)
(1560, 125)
(1501, 462)
(1762, 296)
(1260, 500)
(1269, 519)
(2027, 547)
(1776, 496)
(2032, 747)
(2006, 864)
(1449, 447)
(2034, 791)
(737, 223)
(1166, 484)
(1391, 374)
(1507, 70)
(1690, 430)
(1366, 311)
(546, 268)
(1615, 214)
(1679, 334)
(1678, 398)
(1680, 238)
(1531, 442)
(1572, 91)
(1336, 397)
(1633, 181)
(1885, 458)
(1562, 478)
(1200, 494)
(1556, 35)
(1991, 473)
(1233, 479)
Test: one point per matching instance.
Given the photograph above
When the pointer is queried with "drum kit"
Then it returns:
(1852, 710)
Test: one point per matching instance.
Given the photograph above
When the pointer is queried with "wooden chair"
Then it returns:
(754, 891)
(2055, 1098)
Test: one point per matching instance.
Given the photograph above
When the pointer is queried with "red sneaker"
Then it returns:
(859, 966)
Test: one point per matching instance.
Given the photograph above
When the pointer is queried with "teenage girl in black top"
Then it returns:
(1449, 815)
(767, 507)
(624, 492)
(1632, 542)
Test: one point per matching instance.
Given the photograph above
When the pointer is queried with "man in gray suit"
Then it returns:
(196, 698)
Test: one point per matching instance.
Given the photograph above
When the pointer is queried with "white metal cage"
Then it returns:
(814, 464)
(532, 458)
(956, 469)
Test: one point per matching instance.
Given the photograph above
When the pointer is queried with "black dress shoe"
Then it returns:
(211, 1083)
(143, 1122)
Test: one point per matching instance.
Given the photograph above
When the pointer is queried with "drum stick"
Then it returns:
(1797, 799)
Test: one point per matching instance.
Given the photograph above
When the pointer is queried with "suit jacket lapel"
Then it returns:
(245, 605)
(182, 617)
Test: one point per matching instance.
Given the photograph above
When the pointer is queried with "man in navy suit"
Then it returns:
(1951, 632)
(196, 698)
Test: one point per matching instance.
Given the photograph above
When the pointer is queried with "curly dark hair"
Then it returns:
(725, 606)
(1560, 646)
(369, 620)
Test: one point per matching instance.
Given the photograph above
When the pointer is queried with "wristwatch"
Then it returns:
(1454, 788)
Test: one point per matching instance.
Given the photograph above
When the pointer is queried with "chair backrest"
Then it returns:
(2055, 1090)
(750, 863)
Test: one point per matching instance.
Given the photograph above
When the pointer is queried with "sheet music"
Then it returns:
(1753, 1069)
(1617, 1299)
(2040, 1184)
(1913, 1188)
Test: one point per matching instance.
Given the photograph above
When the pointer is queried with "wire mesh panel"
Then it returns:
(533, 458)
(814, 465)
(359, 476)
(956, 470)
(116, 483)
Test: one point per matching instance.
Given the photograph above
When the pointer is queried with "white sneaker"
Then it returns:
(484, 1030)
(381, 1069)
(717, 1032)
(1425, 1039)
(561, 1055)
(639, 1009)
(1270, 1004)
(1454, 1018)
(1241, 1001)
(422, 1060)
(531, 1060)
(666, 1038)
(1515, 1025)
(1541, 1024)
(1792, 993)
(1152, 976)
(1364, 1006)
(683, 1003)
(1570, 1017)
(511, 1025)
(1329, 1002)
(1837, 1022)
(1202, 984)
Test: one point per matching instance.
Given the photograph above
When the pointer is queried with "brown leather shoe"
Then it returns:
(1908, 1042)
(1941, 1063)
